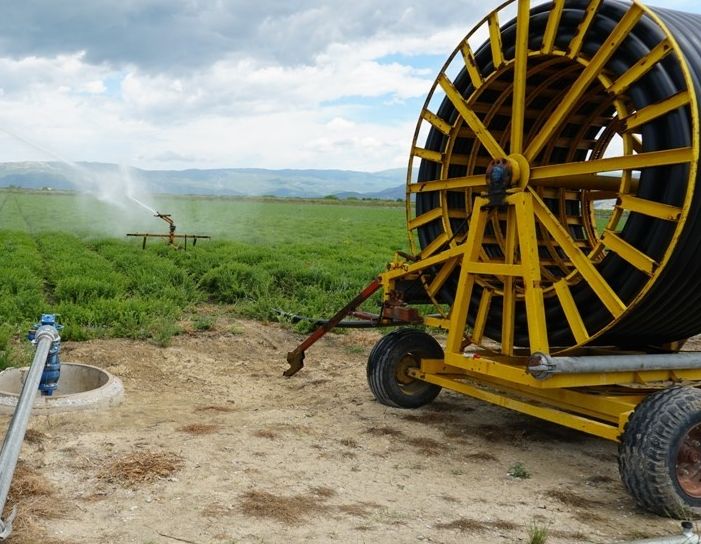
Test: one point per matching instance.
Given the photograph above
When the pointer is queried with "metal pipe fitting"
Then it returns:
(687, 537)
(542, 366)
(44, 339)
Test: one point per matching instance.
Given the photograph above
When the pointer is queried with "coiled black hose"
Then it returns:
(669, 310)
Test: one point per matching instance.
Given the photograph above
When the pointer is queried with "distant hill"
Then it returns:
(92, 177)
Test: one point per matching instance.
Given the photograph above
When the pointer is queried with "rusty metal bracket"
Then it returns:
(296, 358)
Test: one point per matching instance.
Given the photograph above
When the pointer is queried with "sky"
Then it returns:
(176, 84)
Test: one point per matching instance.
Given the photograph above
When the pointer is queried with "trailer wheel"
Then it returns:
(389, 361)
(660, 453)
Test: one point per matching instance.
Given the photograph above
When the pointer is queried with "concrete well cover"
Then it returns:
(80, 387)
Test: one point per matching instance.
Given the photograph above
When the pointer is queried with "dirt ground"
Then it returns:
(212, 445)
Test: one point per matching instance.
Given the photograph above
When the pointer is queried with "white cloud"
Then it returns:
(259, 85)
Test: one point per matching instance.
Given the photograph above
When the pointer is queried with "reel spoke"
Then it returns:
(520, 77)
(588, 76)
(471, 118)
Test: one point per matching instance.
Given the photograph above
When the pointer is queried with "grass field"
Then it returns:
(67, 254)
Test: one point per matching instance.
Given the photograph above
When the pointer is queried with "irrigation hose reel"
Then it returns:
(547, 117)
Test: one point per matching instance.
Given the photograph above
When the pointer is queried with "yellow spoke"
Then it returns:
(451, 184)
(580, 261)
(649, 208)
(586, 78)
(435, 245)
(436, 122)
(539, 175)
(553, 25)
(640, 68)
(629, 253)
(654, 111)
(471, 65)
(574, 318)
(425, 218)
(591, 182)
(441, 277)
(474, 122)
(576, 43)
(520, 76)
(495, 39)
(428, 154)
(481, 318)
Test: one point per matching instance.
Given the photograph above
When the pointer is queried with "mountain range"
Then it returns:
(84, 176)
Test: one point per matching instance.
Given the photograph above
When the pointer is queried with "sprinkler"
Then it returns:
(52, 368)
(171, 236)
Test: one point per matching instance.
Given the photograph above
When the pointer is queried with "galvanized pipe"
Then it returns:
(45, 337)
(542, 366)
(687, 537)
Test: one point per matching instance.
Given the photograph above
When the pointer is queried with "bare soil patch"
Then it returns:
(213, 445)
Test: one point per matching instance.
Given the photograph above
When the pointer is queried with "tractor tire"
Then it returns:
(388, 362)
(659, 457)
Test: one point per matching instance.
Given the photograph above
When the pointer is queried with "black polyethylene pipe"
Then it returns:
(669, 311)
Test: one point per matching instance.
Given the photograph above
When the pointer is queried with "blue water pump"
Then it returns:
(52, 369)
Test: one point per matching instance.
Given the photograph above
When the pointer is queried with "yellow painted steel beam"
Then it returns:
(589, 182)
(495, 39)
(461, 304)
(586, 78)
(424, 263)
(471, 65)
(530, 264)
(470, 117)
(627, 162)
(481, 317)
(520, 76)
(574, 318)
(576, 44)
(629, 253)
(509, 299)
(428, 154)
(587, 425)
(552, 27)
(437, 322)
(598, 405)
(649, 208)
(653, 111)
(640, 68)
(436, 122)
(450, 184)
(440, 278)
(581, 262)
(425, 218)
(493, 268)
(437, 243)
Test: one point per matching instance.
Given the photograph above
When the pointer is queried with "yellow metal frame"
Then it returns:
(525, 223)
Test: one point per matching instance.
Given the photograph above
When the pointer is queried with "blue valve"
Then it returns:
(52, 368)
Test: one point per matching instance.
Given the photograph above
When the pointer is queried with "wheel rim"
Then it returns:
(566, 109)
(406, 383)
(689, 463)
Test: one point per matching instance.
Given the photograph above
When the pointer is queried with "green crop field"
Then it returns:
(68, 254)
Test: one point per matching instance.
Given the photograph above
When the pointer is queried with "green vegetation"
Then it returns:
(519, 471)
(537, 534)
(67, 254)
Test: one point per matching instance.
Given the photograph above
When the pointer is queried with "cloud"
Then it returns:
(215, 83)
(176, 35)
